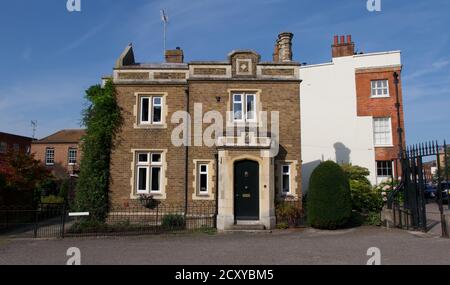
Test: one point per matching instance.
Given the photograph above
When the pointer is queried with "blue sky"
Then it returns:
(50, 56)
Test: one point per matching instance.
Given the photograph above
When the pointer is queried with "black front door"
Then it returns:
(246, 190)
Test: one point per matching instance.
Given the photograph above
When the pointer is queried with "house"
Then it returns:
(348, 111)
(219, 133)
(11, 142)
(60, 152)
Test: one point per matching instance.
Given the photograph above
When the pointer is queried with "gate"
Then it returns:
(44, 220)
(410, 199)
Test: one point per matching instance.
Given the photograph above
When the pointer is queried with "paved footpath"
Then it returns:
(303, 246)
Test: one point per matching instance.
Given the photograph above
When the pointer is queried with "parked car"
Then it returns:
(445, 186)
(430, 192)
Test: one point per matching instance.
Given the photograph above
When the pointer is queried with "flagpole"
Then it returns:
(165, 20)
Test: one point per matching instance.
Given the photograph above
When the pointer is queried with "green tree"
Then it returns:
(329, 199)
(102, 119)
(364, 197)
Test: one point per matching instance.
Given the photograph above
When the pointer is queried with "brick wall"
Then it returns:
(380, 107)
(61, 168)
(275, 96)
(10, 140)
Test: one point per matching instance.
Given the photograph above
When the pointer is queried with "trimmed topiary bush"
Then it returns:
(329, 202)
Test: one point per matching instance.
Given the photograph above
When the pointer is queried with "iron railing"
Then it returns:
(54, 221)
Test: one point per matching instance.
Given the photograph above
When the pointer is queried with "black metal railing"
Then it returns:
(412, 210)
(55, 221)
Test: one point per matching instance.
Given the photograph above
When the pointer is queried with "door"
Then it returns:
(246, 190)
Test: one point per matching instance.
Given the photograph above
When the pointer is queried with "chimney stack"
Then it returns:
(344, 47)
(283, 48)
(174, 56)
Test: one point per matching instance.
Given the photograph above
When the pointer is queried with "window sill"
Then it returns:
(204, 197)
(151, 126)
(380, 97)
(381, 146)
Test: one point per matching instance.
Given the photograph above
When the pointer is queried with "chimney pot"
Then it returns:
(349, 39)
(343, 48)
(336, 40)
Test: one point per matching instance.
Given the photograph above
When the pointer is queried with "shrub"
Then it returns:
(329, 198)
(364, 197)
(52, 199)
(287, 213)
(173, 222)
(373, 219)
(282, 226)
(88, 226)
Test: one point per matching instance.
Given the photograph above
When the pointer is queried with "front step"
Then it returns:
(247, 228)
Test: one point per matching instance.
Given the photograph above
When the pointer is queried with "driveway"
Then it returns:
(305, 246)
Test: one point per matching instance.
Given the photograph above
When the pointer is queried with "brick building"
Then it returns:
(10, 143)
(349, 112)
(253, 160)
(60, 152)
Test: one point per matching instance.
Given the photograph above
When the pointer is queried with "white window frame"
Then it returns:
(240, 102)
(149, 165)
(254, 107)
(392, 169)
(141, 109)
(160, 105)
(70, 157)
(151, 105)
(47, 156)
(283, 173)
(388, 143)
(146, 190)
(200, 173)
(373, 87)
(243, 102)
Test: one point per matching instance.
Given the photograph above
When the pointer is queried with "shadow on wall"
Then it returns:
(307, 169)
(342, 155)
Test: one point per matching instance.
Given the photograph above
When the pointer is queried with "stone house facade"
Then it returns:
(220, 133)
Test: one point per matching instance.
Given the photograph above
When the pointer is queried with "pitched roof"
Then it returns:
(63, 136)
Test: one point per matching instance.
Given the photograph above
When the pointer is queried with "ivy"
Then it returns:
(102, 119)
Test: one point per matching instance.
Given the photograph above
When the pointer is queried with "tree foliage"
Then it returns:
(329, 199)
(22, 172)
(21, 179)
(364, 197)
(102, 118)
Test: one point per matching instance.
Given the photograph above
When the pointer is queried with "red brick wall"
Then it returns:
(61, 169)
(381, 107)
(23, 142)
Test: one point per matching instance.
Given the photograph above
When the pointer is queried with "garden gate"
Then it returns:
(408, 200)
